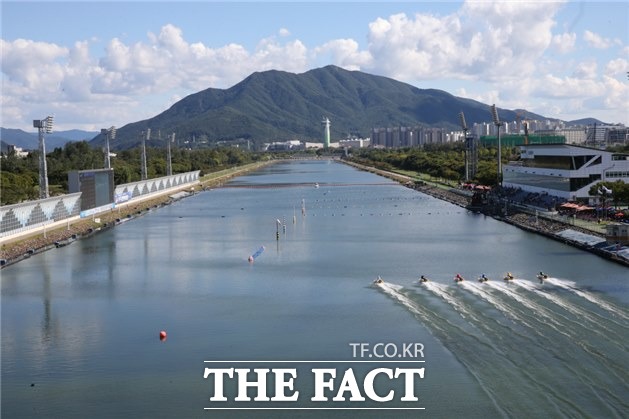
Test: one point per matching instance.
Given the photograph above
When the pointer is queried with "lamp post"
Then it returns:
(43, 126)
(108, 133)
(498, 124)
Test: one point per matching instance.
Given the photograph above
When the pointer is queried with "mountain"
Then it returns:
(276, 105)
(30, 141)
(585, 122)
(18, 138)
(75, 135)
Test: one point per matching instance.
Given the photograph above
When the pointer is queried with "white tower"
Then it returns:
(326, 132)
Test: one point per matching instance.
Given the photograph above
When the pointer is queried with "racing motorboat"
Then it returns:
(483, 278)
(509, 277)
(423, 279)
(378, 280)
(458, 278)
(542, 276)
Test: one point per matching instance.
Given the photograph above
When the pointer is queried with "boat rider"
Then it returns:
(423, 279)
(542, 276)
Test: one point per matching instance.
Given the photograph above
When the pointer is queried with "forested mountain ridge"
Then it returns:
(277, 105)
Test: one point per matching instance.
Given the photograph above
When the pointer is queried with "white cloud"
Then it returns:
(486, 96)
(33, 65)
(416, 48)
(343, 53)
(170, 40)
(552, 86)
(485, 40)
(586, 70)
(596, 41)
(617, 67)
(79, 55)
(616, 98)
(565, 42)
(270, 54)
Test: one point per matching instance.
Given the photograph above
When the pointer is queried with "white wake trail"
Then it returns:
(571, 286)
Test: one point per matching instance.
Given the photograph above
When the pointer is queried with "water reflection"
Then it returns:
(48, 328)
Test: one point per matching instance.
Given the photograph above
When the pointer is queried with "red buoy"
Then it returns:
(162, 335)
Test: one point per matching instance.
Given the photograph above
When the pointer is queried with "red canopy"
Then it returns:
(575, 206)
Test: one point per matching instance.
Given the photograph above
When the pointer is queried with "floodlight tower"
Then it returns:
(498, 124)
(471, 156)
(169, 167)
(109, 134)
(43, 126)
(145, 138)
(326, 132)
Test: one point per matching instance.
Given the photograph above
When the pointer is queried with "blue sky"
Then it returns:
(97, 64)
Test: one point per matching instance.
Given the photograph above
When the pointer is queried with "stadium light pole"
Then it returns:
(43, 126)
(467, 156)
(144, 139)
(498, 124)
(169, 167)
(109, 134)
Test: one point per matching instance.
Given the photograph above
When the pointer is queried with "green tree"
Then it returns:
(619, 194)
(20, 175)
(18, 187)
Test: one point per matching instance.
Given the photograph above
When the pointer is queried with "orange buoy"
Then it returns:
(162, 335)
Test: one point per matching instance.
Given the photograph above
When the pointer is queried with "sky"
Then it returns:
(99, 64)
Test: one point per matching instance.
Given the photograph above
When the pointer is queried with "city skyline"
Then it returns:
(97, 64)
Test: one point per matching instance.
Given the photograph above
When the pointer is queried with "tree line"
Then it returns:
(19, 179)
(447, 161)
(20, 175)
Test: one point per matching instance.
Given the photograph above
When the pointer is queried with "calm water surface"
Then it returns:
(80, 324)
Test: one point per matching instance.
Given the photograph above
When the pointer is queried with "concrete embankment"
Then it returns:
(46, 238)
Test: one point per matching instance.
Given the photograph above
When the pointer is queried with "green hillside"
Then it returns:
(277, 106)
